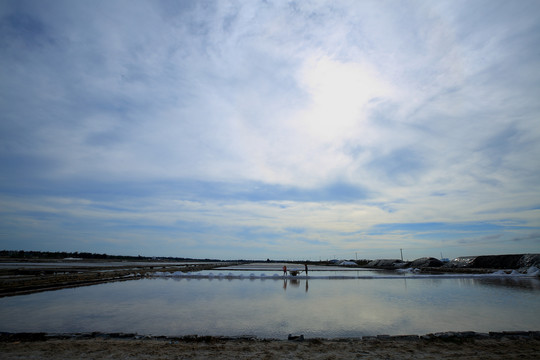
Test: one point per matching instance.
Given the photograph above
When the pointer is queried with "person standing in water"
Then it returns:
(305, 267)
(284, 270)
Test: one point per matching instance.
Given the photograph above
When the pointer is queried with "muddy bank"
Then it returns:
(408, 347)
(22, 279)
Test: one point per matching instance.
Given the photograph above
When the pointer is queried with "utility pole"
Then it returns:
(401, 250)
(357, 256)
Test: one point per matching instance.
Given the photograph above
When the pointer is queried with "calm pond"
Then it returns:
(367, 303)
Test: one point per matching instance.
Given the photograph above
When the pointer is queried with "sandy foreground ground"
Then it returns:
(271, 349)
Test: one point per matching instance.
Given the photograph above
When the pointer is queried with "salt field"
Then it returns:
(329, 302)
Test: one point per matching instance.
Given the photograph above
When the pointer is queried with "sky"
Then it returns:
(270, 129)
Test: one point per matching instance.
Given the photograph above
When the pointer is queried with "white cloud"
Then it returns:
(429, 109)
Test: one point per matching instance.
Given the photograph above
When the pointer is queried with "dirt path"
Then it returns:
(21, 280)
(271, 349)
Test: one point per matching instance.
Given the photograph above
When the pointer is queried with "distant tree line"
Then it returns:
(21, 254)
(58, 255)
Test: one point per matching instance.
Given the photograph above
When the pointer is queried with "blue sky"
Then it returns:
(270, 129)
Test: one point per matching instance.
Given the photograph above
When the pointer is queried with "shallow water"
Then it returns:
(274, 307)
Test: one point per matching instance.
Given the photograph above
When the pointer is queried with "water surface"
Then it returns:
(272, 307)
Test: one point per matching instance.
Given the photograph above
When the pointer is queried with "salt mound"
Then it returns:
(533, 271)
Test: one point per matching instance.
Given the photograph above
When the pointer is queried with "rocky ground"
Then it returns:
(514, 345)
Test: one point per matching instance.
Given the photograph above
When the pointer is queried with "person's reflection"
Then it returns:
(294, 283)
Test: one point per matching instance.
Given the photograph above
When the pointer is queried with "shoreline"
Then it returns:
(455, 336)
(449, 345)
(22, 280)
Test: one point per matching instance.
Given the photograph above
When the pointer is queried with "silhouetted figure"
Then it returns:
(305, 266)
(284, 270)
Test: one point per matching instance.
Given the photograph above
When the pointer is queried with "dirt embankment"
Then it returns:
(25, 280)
(490, 347)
